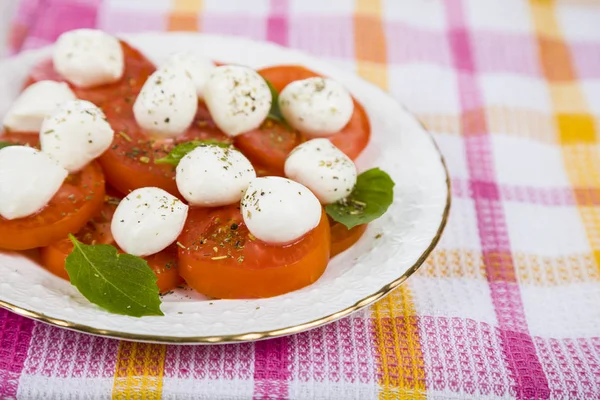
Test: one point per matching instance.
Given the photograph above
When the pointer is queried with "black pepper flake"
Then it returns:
(167, 120)
(234, 227)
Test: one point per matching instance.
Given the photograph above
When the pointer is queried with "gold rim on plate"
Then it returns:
(252, 336)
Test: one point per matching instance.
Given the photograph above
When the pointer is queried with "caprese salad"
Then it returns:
(132, 179)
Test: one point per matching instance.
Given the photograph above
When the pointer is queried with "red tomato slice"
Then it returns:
(270, 145)
(343, 238)
(80, 198)
(137, 70)
(165, 267)
(129, 162)
(220, 258)
(21, 138)
(96, 231)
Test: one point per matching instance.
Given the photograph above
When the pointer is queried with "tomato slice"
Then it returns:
(129, 162)
(80, 197)
(271, 144)
(343, 238)
(137, 70)
(220, 258)
(96, 231)
(21, 138)
(164, 264)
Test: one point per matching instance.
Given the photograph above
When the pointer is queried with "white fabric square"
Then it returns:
(505, 15)
(461, 229)
(421, 14)
(591, 91)
(142, 5)
(545, 231)
(316, 390)
(176, 388)
(425, 88)
(550, 311)
(453, 297)
(514, 91)
(237, 7)
(321, 8)
(453, 150)
(525, 162)
(578, 22)
(45, 387)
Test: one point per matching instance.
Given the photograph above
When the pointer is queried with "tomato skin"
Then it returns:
(137, 69)
(96, 231)
(343, 238)
(164, 265)
(80, 197)
(252, 269)
(129, 162)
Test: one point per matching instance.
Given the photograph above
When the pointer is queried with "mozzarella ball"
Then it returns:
(238, 99)
(277, 210)
(167, 103)
(316, 106)
(323, 168)
(76, 134)
(212, 176)
(147, 221)
(88, 57)
(198, 67)
(28, 180)
(34, 104)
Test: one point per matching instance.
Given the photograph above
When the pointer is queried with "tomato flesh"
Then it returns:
(343, 238)
(129, 162)
(96, 231)
(137, 69)
(164, 265)
(80, 197)
(220, 258)
(31, 139)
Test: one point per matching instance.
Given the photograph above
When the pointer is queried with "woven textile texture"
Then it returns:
(508, 305)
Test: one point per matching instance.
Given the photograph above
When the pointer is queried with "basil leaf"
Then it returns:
(275, 111)
(181, 150)
(370, 199)
(119, 283)
(6, 144)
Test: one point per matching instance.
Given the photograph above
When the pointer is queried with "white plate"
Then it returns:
(393, 247)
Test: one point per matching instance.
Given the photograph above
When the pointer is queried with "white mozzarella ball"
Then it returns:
(167, 103)
(35, 103)
(88, 57)
(238, 99)
(198, 67)
(316, 106)
(147, 221)
(323, 168)
(212, 176)
(29, 178)
(76, 134)
(277, 210)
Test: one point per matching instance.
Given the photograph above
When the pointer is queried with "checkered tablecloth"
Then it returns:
(508, 305)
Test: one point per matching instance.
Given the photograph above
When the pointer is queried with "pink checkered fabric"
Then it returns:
(507, 306)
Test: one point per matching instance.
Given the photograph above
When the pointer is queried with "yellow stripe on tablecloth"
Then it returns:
(185, 15)
(139, 371)
(576, 127)
(401, 367)
(369, 42)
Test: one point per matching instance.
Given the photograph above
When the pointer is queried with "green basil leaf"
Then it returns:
(370, 199)
(119, 283)
(275, 112)
(181, 150)
(6, 144)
